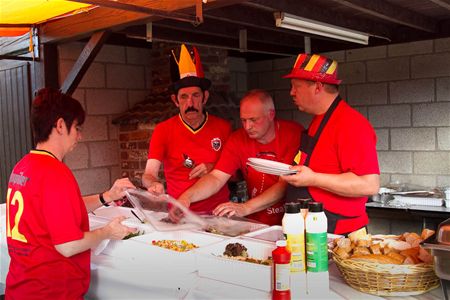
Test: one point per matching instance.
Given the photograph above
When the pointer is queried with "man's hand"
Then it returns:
(156, 187)
(231, 209)
(175, 213)
(200, 170)
(115, 230)
(304, 177)
(117, 191)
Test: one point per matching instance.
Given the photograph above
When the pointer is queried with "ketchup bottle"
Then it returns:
(281, 272)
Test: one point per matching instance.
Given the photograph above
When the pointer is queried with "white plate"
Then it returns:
(268, 163)
(272, 171)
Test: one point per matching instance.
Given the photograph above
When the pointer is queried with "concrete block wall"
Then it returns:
(403, 90)
(118, 78)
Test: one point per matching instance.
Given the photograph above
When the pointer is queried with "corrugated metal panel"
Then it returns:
(15, 131)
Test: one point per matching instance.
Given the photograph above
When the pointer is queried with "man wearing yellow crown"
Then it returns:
(188, 144)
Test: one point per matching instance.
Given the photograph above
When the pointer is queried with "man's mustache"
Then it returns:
(189, 109)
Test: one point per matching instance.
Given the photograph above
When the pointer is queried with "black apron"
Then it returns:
(307, 145)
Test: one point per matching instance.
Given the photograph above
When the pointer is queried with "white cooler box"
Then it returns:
(212, 265)
(269, 234)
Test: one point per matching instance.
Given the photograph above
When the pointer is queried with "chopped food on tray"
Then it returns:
(175, 245)
(239, 252)
(384, 249)
(167, 220)
(130, 235)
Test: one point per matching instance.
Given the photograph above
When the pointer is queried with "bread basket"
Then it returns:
(387, 279)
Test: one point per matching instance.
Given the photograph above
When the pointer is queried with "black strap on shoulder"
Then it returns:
(313, 140)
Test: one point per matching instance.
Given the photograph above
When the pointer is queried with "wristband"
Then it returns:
(102, 200)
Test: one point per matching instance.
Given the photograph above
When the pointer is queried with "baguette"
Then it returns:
(377, 258)
(375, 249)
(397, 256)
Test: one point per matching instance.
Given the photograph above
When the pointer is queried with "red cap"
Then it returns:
(315, 67)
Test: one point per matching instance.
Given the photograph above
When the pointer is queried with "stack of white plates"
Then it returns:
(270, 166)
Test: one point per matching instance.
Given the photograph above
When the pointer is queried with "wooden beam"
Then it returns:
(83, 62)
(12, 57)
(82, 25)
(392, 13)
(217, 29)
(442, 3)
(141, 9)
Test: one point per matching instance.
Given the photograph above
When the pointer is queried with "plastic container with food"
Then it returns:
(249, 272)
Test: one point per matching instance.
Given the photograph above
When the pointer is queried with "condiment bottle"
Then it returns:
(304, 206)
(294, 231)
(281, 272)
(317, 250)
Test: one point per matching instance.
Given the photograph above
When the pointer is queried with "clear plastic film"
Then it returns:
(153, 208)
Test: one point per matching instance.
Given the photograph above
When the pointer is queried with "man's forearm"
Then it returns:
(148, 179)
(205, 187)
(349, 184)
(268, 198)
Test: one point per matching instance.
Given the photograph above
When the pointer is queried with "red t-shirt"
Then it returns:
(240, 147)
(347, 144)
(44, 209)
(173, 138)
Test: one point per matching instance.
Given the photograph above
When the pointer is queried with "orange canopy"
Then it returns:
(25, 13)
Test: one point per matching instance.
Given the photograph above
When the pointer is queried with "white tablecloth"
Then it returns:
(114, 278)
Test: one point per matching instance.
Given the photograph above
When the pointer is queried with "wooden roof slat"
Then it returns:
(386, 11)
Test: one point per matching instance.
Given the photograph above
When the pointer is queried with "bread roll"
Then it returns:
(378, 258)
(365, 241)
(375, 249)
(410, 252)
(386, 250)
(399, 245)
(358, 234)
(411, 260)
(361, 251)
(342, 253)
(344, 243)
(398, 257)
(426, 233)
(425, 256)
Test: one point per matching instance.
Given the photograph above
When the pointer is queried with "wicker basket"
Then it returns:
(387, 279)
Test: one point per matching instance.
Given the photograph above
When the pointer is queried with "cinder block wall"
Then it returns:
(404, 91)
(117, 79)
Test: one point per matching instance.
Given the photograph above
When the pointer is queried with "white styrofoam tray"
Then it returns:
(269, 234)
(103, 216)
(139, 250)
(424, 201)
(111, 212)
(212, 264)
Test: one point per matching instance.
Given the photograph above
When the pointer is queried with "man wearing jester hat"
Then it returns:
(337, 159)
(188, 144)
